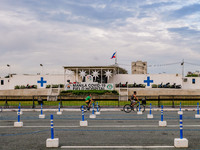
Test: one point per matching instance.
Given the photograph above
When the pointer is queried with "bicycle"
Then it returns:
(85, 107)
(128, 107)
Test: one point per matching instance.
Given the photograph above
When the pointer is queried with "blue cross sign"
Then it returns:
(148, 81)
(41, 81)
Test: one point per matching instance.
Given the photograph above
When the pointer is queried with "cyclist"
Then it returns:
(88, 101)
(134, 98)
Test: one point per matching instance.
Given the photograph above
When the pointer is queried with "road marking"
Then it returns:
(105, 126)
(120, 147)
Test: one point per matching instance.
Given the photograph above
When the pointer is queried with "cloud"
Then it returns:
(186, 32)
(58, 33)
(186, 11)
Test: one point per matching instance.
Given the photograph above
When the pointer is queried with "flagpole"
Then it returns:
(116, 63)
(116, 59)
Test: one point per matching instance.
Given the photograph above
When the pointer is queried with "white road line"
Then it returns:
(103, 109)
(105, 126)
(120, 147)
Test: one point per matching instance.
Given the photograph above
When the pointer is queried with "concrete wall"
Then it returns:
(153, 91)
(6, 83)
(31, 80)
(187, 83)
(10, 83)
(24, 92)
(139, 79)
(140, 92)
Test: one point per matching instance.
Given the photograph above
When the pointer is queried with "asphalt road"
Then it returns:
(108, 129)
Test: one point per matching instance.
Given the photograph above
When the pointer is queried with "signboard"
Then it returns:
(89, 79)
(89, 86)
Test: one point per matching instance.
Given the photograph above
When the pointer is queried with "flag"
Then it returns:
(114, 55)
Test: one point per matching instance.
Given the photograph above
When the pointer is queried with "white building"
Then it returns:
(100, 75)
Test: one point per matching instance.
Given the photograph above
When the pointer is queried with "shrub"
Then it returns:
(17, 87)
(22, 87)
(192, 75)
(34, 86)
(61, 85)
(154, 86)
(48, 86)
(87, 92)
(130, 85)
(55, 86)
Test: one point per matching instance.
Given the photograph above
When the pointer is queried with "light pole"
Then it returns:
(182, 64)
(9, 69)
(41, 69)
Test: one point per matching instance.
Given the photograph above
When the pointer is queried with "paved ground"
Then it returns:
(114, 128)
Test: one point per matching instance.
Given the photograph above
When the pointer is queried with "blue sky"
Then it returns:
(59, 33)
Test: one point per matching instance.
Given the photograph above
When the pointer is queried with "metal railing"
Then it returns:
(103, 100)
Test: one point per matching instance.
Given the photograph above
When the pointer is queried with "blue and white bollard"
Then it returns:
(197, 115)
(150, 115)
(41, 116)
(97, 112)
(180, 112)
(19, 107)
(162, 123)
(92, 115)
(181, 142)
(59, 112)
(18, 123)
(52, 142)
(83, 123)
(139, 112)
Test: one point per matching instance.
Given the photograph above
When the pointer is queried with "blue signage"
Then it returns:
(148, 81)
(41, 81)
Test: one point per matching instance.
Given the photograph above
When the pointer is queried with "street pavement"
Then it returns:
(115, 129)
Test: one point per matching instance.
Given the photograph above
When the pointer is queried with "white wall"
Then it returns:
(32, 80)
(123, 78)
(139, 78)
(189, 85)
(6, 83)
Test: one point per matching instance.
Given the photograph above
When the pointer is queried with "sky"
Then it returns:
(59, 33)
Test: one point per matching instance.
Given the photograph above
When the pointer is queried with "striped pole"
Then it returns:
(139, 106)
(97, 107)
(59, 107)
(19, 107)
(41, 110)
(93, 108)
(198, 108)
(82, 114)
(180, 106)
(162, 113)
(52, 131)
(181, 126)
(150, 109)
(18, 115)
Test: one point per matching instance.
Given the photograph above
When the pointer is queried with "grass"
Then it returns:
(101, 103)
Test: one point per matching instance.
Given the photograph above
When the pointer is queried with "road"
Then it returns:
(115, 129)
